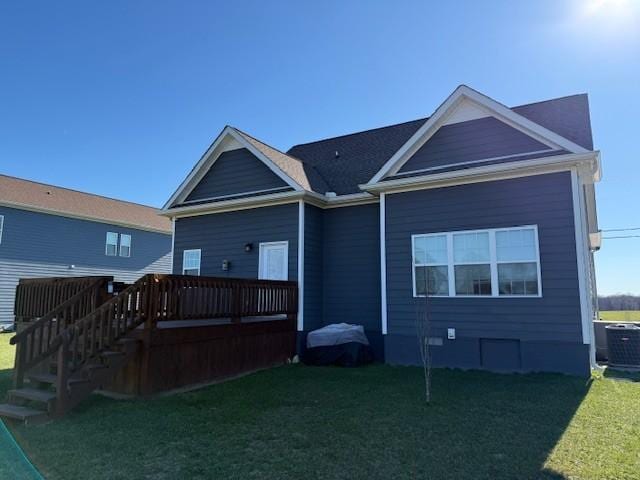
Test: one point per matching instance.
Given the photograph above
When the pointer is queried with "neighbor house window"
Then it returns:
(191, 262)
(111, 248)
(483, 263)
(1, 226)
(125, 245)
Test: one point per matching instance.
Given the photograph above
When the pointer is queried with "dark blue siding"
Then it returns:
(313, 267)
(53, 239)
(470, 141)
(222, 236)
(352, 266)
(543, 200)
(236, 172)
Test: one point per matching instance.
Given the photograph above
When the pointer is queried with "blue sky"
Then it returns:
(122, 98)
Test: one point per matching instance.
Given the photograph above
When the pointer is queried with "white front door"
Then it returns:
(274, 261)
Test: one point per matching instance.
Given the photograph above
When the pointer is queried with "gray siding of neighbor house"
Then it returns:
(42, 245)
(223, 236)
(469, 141)
(234, 173)
(511, 334)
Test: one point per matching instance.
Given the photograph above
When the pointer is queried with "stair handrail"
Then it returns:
(41, 338)
(110, 322)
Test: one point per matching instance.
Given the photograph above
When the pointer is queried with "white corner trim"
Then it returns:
(173, 242)
(581, 240)
(468, 95)
(383, 263)
(228, 139)
(300, 265)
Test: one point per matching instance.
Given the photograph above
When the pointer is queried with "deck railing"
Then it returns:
(35, 297)
(41, 338)
(79, 329)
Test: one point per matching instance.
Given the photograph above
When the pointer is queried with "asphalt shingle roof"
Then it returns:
(362, 154)
(19, 192)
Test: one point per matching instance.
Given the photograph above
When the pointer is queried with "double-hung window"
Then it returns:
(496, 262)
(111, 247)
(125, 245)
(191, 262)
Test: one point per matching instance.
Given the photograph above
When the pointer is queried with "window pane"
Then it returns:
(191, 262)
(434, 280)
(518, 278)
(430, 250)
(473, 279)
(125, 245)
(112, 243)
(471, 247)
(516, 245)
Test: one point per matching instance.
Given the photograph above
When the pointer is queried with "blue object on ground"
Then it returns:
(14, 464)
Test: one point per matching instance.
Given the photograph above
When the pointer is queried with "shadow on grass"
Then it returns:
(621, 374)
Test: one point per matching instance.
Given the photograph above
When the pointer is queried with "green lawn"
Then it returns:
(620, 315)
(298, 422)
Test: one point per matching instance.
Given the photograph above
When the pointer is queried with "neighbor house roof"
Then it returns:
(350, 160)
(19, 193)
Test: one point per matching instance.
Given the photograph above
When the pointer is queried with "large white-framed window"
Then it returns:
(125, 245)
(191, 262)
(498, 262)
(1, 227)
(111, 246)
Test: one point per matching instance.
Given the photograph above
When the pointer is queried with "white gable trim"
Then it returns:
(480, 102)
(229, 139)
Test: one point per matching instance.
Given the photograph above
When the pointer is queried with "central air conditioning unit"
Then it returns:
(623, 343)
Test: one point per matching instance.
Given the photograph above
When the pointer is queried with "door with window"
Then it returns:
(274, 261)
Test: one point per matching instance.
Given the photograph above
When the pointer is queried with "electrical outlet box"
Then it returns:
(451, 333)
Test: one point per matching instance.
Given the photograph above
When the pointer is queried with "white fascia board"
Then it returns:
(493, 108)
(315, 199)
(60, 213)
(267, 161)
(196, 171)
(209, 158)
(236, 204)
(586, 161)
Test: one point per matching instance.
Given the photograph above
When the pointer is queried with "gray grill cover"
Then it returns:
(336, 334)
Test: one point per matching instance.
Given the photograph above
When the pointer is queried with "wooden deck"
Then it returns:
(161, 333)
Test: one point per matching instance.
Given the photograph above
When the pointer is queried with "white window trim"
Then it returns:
(122, 235)
(106, 244)
(493, 262)
(184, 255)
(284, 243)
(1, 227)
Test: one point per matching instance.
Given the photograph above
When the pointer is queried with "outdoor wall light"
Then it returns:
(248, 247)
(225, 265)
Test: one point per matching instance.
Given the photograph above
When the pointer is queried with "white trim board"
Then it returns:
(481, 103)
(588, 162)
(229, 139)
(581, 249)
(383, 263)
(301, 265)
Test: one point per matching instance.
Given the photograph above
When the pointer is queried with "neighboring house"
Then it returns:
(48, 231)
(488, 209)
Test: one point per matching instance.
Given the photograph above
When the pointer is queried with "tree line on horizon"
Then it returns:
(619, 302)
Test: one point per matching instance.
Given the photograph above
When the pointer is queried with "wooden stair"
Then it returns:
(38, 400)
(62, 359)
